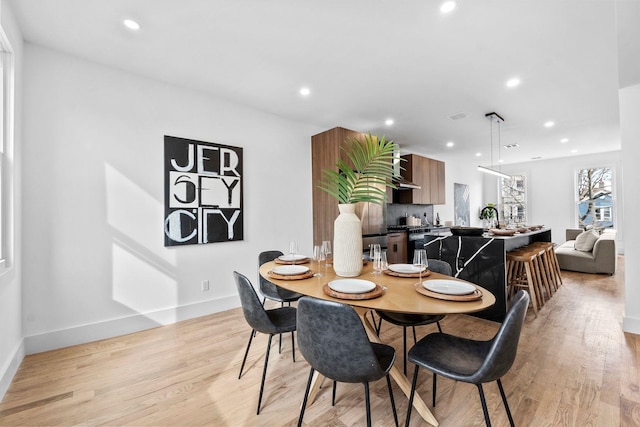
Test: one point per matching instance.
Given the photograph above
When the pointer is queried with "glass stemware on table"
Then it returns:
(293, 250)
(326, 247)
(380, 263)
(374, 254)
(319, 256)
(420, 262)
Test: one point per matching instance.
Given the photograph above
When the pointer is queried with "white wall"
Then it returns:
(630, 132)
(93, 197)
(11, 343)
(551, 198)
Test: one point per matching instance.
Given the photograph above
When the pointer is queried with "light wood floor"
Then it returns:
(575, 367)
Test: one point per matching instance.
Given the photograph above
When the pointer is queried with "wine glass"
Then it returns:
(319, 257)
(420, 261)
(293, 250)
(374, 254)
(380, 264)
(326, 246)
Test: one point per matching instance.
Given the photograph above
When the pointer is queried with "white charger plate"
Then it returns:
(296, 257)
(449, 287)
(352, 286)
(290, 270)
(405, 268)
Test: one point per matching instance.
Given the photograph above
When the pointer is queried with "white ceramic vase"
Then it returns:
(347, 242)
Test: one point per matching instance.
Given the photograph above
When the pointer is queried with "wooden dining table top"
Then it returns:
(400, 294)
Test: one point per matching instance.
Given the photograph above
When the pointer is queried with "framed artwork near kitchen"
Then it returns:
(203, 192)
(461, 204)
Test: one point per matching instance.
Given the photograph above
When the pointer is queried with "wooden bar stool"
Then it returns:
(551, 264)
(521, 274)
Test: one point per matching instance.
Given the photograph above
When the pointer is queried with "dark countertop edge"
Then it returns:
(529, 233)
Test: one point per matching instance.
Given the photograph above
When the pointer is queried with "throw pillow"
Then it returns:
(585, 241)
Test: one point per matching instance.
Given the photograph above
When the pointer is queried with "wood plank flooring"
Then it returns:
(575, 367)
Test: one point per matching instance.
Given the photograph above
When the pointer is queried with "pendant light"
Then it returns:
(494, 117)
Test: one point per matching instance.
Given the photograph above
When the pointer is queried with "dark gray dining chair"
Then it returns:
(407, 319)
(275, 321)
(471, 361)
(268, 289)
(332, 339)
(272, 291)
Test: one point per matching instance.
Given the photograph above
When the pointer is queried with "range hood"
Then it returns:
(401, 182)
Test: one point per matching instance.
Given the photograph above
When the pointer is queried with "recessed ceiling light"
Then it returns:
(305, 91)
(447, 6)
(500, 161)
(549, 124)
(450, 144)
(478, 154)
(574, 151)
(563, 140)
(131, 24)
(388, 122)
(513, 82)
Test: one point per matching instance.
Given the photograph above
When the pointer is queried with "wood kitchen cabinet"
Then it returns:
(429, 174)
(397, 248)
(325, 151)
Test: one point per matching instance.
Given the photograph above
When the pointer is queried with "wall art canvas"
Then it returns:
(461, 204)
(203, 192)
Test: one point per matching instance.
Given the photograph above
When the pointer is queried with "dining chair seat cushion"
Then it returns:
(450, 356)
(283, 318)
(409, 319)
(385, 354)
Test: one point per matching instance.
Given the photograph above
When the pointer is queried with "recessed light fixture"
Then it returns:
(388, 122)
(500, 161)
(131, 24)
(305, 91)
(447, 6)
(513, 82)
(478, 154)
(574, 151)
(549, 124)
(450, 144)
(563, 140)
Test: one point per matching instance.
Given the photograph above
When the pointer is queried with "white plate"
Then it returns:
(449, 287)
(296, 257)
(352, 286)
(290, 270)
(405, 268)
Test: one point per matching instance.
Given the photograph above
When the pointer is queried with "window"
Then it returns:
(595, 197)
(513, 199)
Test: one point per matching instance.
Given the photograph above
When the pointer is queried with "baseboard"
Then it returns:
(631, 325)
(126, 325)
(10, 369)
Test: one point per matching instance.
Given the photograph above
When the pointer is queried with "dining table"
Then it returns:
(393, 291)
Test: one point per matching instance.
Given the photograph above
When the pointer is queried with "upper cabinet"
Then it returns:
(429, 175)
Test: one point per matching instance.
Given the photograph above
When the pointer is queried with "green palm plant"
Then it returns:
(372, 171)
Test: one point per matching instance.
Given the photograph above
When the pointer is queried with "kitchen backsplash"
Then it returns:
(396, 211)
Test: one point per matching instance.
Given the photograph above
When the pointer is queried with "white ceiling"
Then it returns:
(367, 60)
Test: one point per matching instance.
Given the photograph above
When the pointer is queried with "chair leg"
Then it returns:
(484, 406)
(253, 332)
(439, 327)
(333, 394)
(293, 347)
(404, 348)
(264, 372)
(393, 403)
(434, 389)
(506, 405)
(413, 391)
(304, 400)
(279, 343)
(368, 404)
(415, 341)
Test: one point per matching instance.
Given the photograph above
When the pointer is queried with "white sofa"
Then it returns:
(602, 259)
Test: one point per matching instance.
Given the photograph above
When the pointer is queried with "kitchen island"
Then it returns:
(482, 260)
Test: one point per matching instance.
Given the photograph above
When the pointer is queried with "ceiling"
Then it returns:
(368, 60)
